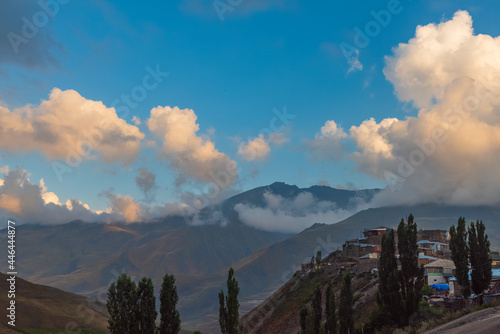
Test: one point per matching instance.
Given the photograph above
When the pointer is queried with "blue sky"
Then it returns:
(232, 72)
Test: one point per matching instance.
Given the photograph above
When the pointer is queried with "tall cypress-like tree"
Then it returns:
(146, 306)
(122, 306)
(317, 310)
(345, 308)
(330, 312)
(229, 306)
(459, 255)
(479, 252)
(411, 275)
(318, 258)
(170, 321)
(388, 295)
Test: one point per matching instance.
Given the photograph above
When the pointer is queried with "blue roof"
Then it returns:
(440, 287)
(420, 256)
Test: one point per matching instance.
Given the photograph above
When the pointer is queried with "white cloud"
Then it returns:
(354, 63)
(291, 215)
(192, 155)
(258, 149)
(68, 126)
(328, 143)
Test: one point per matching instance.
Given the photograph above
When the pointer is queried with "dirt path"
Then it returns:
(482, 322)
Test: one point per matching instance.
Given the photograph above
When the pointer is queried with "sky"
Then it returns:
(119, 110)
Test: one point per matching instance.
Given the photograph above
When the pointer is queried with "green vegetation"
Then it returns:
(459, 255)
(132, 308)
(122, 299)
(345, 308)
(411, 276)
(170, 322)
(229, 306)
(317, 310)
(318, 258)
(479, 257)
(330, 311)
(146, 306)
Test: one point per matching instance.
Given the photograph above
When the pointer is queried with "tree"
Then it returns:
(146, 306)
(170, 321)
(479, 255)
(331, 316)
(229, 306)
(345, 308)
(317, 310)
(459, 255)
(121, 306)
(411, 275)
(303, 319)
(312, 262)
(318, 258)
(388, 295)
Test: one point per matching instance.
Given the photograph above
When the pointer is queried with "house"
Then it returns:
(439, 271)
(434, 248)
(495, 259)
(433, 235)
(368, 262)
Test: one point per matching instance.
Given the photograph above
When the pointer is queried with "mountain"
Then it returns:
(39, 306)
(85, 257)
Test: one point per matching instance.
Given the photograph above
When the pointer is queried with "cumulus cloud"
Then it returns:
(258, 149)
(23, 43)
(449, 152)
(146, 182)
(291, 215)
(68, 126)
(422, 69)
(328, 143)
(193, 156)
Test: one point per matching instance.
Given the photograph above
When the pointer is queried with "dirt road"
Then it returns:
(482, 322)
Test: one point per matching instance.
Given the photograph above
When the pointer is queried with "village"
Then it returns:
(361, 255)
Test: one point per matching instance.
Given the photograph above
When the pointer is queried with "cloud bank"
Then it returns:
(291, 215)
(449, 152)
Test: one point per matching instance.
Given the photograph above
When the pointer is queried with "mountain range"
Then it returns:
(84, 258)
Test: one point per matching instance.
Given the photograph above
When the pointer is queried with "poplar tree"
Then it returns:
(146, 306)
(479, 255)
(170, 321)
(121, 305)
(388, 295)
(459, 255)
(411, 275)
(345, 308)
(330, 312)
(317, 310)
(229, 306)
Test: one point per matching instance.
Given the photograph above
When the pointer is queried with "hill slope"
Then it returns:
(39, 306)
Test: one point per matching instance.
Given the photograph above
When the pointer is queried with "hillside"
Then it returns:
(39, 306)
